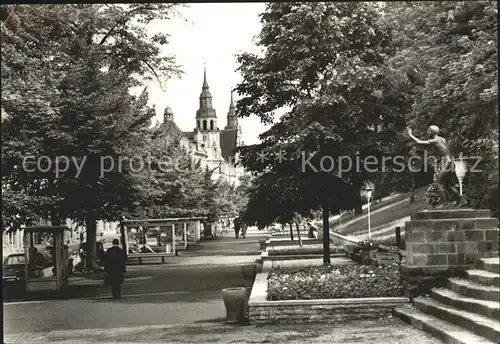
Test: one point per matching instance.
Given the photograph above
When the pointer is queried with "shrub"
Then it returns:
(331, 282)
(392, 242)
(306, 249)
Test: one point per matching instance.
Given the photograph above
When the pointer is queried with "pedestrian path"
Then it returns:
(362, 332)
(89, 281)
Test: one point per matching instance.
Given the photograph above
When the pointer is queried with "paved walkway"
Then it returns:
(187, 289)
(369, 332)
(178, 302)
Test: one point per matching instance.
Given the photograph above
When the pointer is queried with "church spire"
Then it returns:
(231, 106)
(232, 120)
(206, 110)
(205, 83)
(205, 96)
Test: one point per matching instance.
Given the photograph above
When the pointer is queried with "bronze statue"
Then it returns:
(444, 171)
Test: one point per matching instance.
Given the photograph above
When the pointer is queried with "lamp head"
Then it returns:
(368, 191)
(460, 168)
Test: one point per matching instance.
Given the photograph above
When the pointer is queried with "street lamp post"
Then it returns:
(369, 191)
(460, 171)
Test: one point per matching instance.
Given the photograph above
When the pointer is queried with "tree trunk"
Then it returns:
(326, 230)
(412, 197)
(55, 220)
(297, 224)
(358, 205)
(91, 225)
(378, 188)
(122, 238)
(291, 231)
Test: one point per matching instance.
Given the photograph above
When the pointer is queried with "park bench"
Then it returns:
(140, 256)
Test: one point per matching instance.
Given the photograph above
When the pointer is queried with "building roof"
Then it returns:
(228, 140)
(171, 127)
(189, 135)
(45, 229)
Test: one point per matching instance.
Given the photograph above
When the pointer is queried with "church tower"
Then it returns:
(208, 135)
(206, 119)
(232, 120)
(168, 114)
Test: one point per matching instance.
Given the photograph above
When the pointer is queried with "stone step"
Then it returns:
(489, 264)
(453, 224)
(451, 213)
(477, 324)
(448, 297)
(487, 278)
(439, 328)
(474, 290)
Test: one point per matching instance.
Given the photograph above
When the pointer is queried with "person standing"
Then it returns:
(237, 227)
(114, 264)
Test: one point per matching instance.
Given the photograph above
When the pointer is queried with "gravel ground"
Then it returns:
(385, 331)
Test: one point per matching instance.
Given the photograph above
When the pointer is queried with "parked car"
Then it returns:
(13, 269)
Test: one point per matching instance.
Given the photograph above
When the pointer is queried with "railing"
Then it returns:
(365, 251)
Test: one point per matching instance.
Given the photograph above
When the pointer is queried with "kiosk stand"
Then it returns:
(42, 274)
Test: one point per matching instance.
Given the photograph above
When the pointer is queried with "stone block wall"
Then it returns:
(443, 243)
(451, 237)
(313, 313)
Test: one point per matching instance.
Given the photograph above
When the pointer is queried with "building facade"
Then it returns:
(212, 147)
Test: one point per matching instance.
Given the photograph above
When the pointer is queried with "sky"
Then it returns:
(210, 34)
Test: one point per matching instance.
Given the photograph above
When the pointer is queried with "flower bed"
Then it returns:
(306, 249)
(331, 282)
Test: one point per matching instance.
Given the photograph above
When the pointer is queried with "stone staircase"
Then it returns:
(466, 311)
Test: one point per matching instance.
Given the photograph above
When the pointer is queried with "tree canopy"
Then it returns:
(350, 77)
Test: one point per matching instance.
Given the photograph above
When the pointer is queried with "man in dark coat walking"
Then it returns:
(237, 227)
(114, 264)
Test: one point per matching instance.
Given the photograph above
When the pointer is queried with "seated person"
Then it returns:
(36, 261)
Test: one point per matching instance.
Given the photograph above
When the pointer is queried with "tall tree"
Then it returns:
(81, 60)
(446, 60)
(324, 62)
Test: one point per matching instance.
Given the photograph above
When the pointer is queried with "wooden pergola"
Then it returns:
(127, 225)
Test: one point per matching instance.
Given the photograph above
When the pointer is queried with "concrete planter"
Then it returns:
(249, 270)
(246, 309)
(263, 244)
(288, 242)
(263, 311)
(234, 301)
(301, 256)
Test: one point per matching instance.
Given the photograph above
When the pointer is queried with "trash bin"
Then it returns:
(234, 301)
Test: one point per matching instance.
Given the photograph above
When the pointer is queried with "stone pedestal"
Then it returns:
(444, 243)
